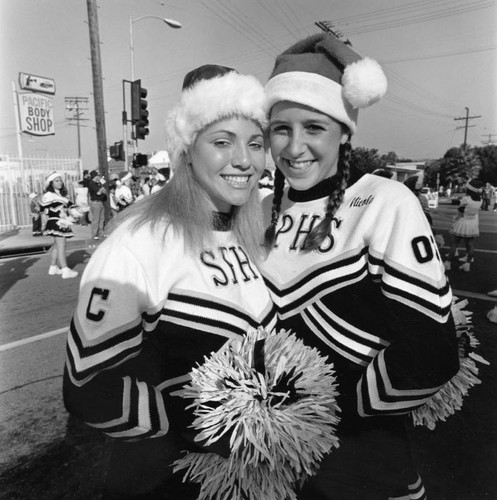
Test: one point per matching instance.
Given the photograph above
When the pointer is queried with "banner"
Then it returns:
(36, 114)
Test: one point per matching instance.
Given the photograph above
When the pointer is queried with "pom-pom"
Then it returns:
(364, 83)
(276, 399)
(450, 398)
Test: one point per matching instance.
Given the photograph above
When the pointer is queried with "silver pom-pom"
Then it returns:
(450, 398)
(276, 399)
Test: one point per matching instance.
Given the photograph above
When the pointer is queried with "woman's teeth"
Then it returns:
(300, 164)
(237, 180)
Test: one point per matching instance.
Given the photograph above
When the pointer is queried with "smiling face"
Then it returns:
(228, 159)
(304, 143)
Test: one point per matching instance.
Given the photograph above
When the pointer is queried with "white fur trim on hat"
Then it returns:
(211, 100)
(52, 177)
(313, 90)
(364, 83)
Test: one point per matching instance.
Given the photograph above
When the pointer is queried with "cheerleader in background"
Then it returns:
(466, 225)
(56, 204)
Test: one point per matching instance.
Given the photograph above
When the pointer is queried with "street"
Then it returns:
(457, 460)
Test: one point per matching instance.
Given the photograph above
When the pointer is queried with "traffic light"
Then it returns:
(117, 151)
(139, 113)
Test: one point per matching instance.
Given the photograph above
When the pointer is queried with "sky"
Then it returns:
(440, 57)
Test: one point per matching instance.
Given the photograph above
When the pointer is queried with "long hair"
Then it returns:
(183, 205)
(322, 230)
(63, 190)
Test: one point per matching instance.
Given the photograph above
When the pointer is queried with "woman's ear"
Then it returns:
(345, 137)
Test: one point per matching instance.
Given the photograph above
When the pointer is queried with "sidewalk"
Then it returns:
(22, 241)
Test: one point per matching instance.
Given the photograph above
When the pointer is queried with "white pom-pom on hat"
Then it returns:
(364, 83)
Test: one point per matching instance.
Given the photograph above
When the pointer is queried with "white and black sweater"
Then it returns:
(148, 312)
(374, 297)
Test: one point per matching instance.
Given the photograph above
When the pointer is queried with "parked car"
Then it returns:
(431, 195)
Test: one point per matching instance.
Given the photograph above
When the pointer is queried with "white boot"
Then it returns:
(465, 267)
(68, 273)
(53, 270)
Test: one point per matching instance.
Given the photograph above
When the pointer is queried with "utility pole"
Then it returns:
(73, 106)
(489, 141)
(466, 118)
(98, 93)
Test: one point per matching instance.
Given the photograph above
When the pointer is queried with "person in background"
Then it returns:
(175, 278)
(124, 195)
(113, 181)
(55, 203)
(35, 209)
(415, 183)
(485, 197)
(493, 198)
(98, 195)
(466, 225)
(353, 270)
(159, 184)
(86, 179)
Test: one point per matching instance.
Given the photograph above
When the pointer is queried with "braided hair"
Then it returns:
(319, 233)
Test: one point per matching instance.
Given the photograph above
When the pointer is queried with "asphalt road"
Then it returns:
(458, 460)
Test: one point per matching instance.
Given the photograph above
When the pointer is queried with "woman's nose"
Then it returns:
(296, 145)
(241, 157)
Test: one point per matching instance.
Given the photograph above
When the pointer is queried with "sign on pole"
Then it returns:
(36, 113)
(36, 83)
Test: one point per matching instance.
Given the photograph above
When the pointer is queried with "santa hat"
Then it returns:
(211, 93)
(54, 175)
(326, 74)
(475, 185)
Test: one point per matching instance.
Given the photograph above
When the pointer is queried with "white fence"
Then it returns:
(19, 179)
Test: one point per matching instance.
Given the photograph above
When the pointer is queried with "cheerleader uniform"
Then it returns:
(147, 313)
(374, 298)
(55, 206)
(467, 226)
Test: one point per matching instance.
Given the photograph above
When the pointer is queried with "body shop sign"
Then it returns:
(36, 114)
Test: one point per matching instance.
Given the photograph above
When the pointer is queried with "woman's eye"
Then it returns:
(257, 146)
(314, 128)
(222, 143)
(279, 129)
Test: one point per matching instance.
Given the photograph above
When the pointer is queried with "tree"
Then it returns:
(488, 159)
(390, 158)
(458, 166)
(364, 161)
(432, 173)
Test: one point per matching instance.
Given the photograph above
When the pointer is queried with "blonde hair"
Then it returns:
(183, 205)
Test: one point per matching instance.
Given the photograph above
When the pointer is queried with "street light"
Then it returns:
(170, 22)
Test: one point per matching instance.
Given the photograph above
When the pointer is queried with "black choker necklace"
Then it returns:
(320, 190)
(221, 221)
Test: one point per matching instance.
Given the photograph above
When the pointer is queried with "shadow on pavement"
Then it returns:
(73, 468)
(12, 272)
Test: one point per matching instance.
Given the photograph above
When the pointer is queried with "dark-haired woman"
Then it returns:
(353, 270)
(55, 204)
